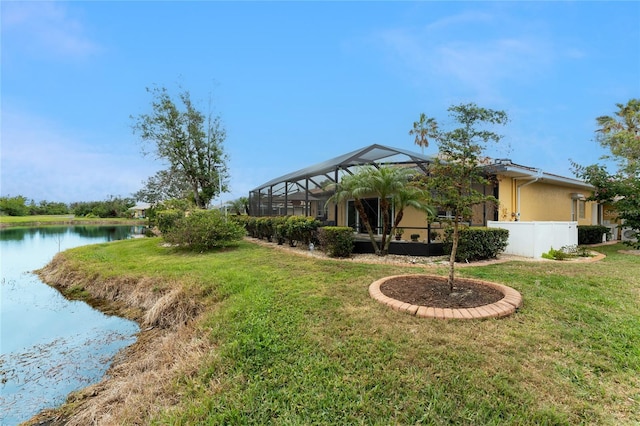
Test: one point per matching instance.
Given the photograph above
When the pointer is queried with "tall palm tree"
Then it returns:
(423, 129)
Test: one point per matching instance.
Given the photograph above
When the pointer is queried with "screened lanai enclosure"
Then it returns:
(305, 192)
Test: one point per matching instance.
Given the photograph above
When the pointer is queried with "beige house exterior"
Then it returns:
(139, 211)
(524, 194)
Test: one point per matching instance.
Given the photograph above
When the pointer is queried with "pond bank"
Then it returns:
(139, 382)
(71, 222)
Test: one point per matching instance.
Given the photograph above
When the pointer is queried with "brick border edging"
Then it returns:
(506, 306)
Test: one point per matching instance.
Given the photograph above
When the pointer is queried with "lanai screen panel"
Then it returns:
(305, 192)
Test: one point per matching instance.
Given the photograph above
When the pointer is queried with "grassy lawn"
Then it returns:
(67, 219)
(299, 341)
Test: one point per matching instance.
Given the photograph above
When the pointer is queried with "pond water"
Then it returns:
(50, 346)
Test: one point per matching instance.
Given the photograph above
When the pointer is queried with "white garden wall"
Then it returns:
(531, 239)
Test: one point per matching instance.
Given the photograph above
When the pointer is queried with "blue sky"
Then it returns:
(296, 83)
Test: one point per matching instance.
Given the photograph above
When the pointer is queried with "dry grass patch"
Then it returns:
(174, 308)
(140, 384)
(150, 301)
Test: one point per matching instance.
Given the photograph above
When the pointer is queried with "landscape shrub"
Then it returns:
(265, 228)
(301, 229)
(250, 224)
(171, 205)
(554, 254)
(336, 241)
(280, 228)
(295, 229)
(204, 230)
(592, 234)
(166, 219)
(476, 243)
(244, 221)
(566, 252)
(259, 226)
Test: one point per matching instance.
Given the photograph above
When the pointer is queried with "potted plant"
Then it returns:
(414, 237)
(433, 236)
(399, 232)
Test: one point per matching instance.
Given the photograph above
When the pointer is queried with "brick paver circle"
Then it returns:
(511, 301)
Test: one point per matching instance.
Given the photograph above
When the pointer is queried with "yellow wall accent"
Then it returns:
(541, 201)
(610, 214)
(415, 222)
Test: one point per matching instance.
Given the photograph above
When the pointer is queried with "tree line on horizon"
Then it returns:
(112, 207)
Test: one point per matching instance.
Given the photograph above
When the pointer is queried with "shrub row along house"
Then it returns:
(524, 194)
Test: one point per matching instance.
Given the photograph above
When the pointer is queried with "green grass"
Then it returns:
(66, 219)
(299, 341)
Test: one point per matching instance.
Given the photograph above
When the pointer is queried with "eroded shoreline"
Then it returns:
(138, 384)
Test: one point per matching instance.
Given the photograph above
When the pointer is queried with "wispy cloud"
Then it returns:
(464, 47)
(45, 29)
(469, 17)
(483, 65)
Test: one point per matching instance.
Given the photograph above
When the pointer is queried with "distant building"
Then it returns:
(139, 211)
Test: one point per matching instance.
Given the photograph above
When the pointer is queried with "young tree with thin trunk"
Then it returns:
(188, 141)
(457, 169)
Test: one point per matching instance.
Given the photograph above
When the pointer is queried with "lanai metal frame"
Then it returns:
(295, 193)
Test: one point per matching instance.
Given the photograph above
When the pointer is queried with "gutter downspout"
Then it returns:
(534, 180)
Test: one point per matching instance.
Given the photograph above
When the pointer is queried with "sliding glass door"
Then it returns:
(371, 208)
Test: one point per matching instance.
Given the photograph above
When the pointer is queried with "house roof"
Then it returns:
(506, 167)
(141, 206)
(371, 154)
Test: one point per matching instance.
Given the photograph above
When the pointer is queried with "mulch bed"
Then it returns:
(434, 292)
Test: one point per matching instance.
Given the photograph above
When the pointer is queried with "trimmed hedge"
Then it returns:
(260, 227)
(301, 229)
(336, 241)
(592, 234)
(244, 221)
(294, 229)
(477, 243)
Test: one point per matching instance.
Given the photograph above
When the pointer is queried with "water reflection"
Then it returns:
(50, 346)
(103, 233)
